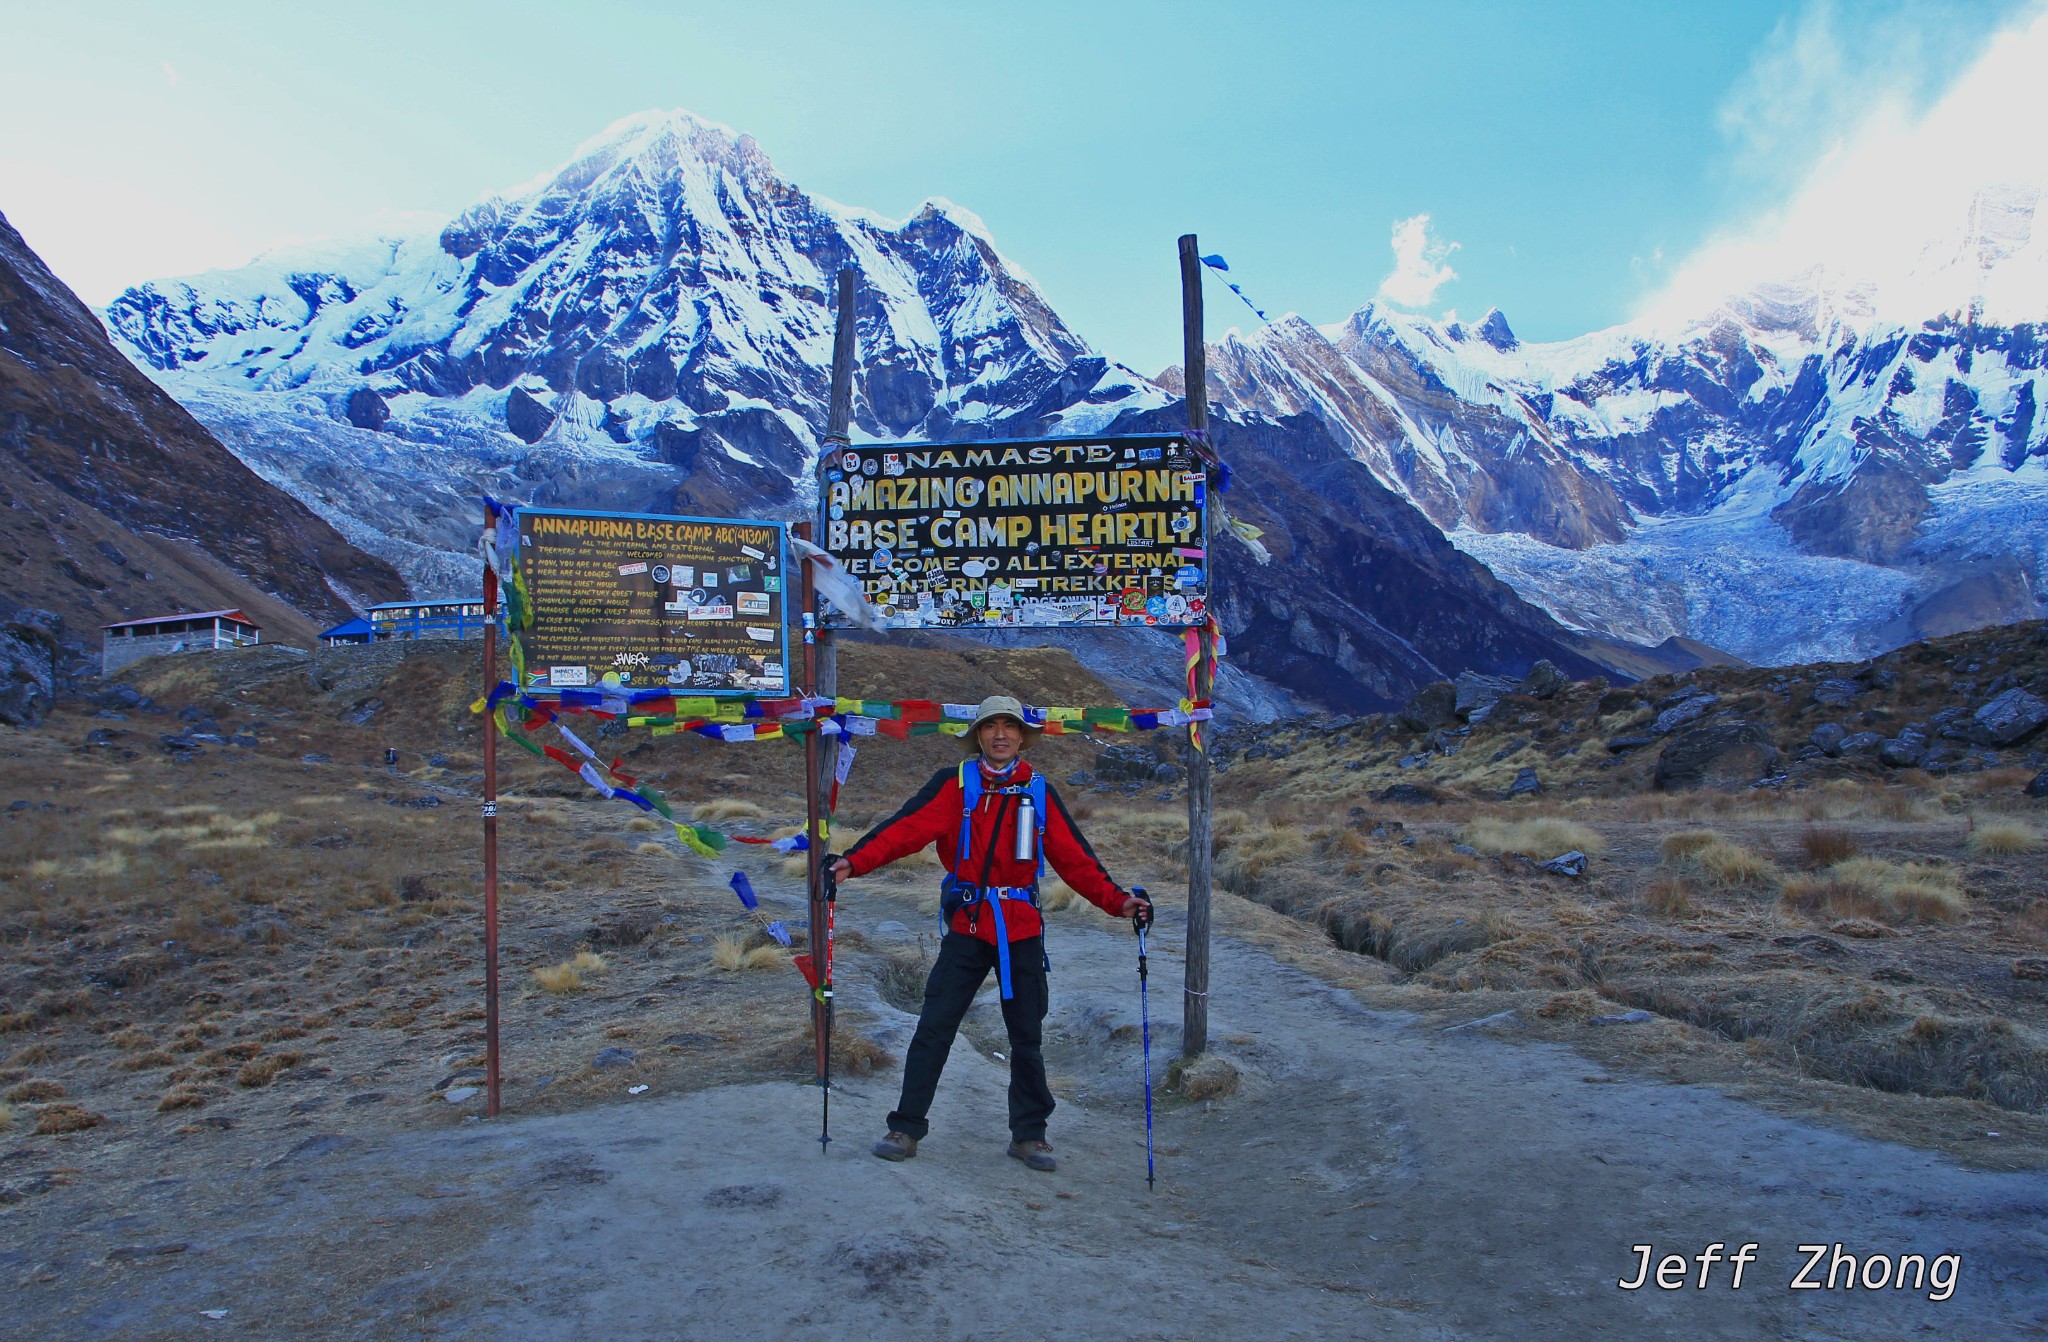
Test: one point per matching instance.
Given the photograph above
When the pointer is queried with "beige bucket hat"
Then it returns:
(999, 706)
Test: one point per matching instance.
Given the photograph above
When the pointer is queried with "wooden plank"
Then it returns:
(1195, 989)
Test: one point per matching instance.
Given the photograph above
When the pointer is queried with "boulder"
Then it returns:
(2039, 787)
(1126, 760)
(1620, 744)
(2009, 719)
(1829, 737)
(1836, 691)
(526, 416)
(1566, 864)
(1544, 680)
(1721, 755)
(366, 409)
(1686, 711)
(1526, 784)
(1862, 743)
(1434, 705)
(1477, 694)
(1903, 751)
(28, 666)
(1409, 794)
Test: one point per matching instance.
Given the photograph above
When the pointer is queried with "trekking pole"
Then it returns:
(1145, 1025)
(825, 992)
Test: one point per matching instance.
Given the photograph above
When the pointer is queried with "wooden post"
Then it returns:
(1195, 991)
(838, 423)
(491, 1072)
(814, 818)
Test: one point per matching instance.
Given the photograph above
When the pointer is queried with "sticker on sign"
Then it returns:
(760, 635)
(569, 675)
(628, 570)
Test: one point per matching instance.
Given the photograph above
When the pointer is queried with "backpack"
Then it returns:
(956, 894)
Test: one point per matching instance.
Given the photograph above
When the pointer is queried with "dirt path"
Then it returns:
(1374, 1177)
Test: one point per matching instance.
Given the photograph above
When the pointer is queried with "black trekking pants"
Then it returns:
(964, 962)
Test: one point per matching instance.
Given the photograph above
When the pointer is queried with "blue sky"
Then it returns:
(1570, 157)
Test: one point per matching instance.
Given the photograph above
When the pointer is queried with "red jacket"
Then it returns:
(933, 817)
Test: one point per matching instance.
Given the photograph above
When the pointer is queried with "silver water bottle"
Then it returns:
(1026, 847)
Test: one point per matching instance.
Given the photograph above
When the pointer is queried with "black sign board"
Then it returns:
(694, 603)
(1061, 532)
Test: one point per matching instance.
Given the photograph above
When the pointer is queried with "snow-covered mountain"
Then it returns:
(650, 328)
(661, 302)
(1792, 476)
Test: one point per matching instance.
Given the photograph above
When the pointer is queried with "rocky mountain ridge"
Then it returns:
(119, 504)
(1785, 453)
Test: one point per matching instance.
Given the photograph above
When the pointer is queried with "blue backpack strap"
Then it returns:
(1037, 786)
(970, 797)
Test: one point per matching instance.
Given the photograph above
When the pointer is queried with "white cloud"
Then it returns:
(171, 76)
(1419, 264)
(1906, 207)
(102, 234)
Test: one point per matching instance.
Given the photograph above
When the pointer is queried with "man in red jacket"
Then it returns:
(990, 910)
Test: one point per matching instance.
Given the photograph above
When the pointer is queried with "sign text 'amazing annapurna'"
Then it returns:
(1101, 531)
(691, 602)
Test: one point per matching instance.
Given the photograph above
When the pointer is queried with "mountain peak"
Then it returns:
(1494, 330)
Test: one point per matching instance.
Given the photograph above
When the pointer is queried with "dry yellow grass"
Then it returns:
(732, 954)
(725, 808)
(641, 824)
(589, 962)
(6, 1117)
(36, 1092)
(1056, 894)
(1872, 887)
(1717, 859)
(652, 849)
(61, 1118)
(562, 978)
(1543, 836)
(258, 1072)
(1668, 898)
(2004, 838)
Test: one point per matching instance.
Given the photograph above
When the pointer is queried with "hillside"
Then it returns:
(119, 504)
(240, 990)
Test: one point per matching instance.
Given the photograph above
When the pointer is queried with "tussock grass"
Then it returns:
(732, 954)
(725, 808)
(652, 849)
(1056, 894)
(904, 971)
(1539, 836)
(1208, 1077)
(1717, 859)
(566, 977)
(2004, 838)
(6, 1117)
(1825, 847)
(37, 1091)
(640, 824)
(1871, 887)
(1669, 898)
(143, 1062)
(184, 1097)
(62, 1118)
(259, 1072)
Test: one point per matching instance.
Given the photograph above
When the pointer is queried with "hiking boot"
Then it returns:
(1037, 1155)
(896, 1146)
